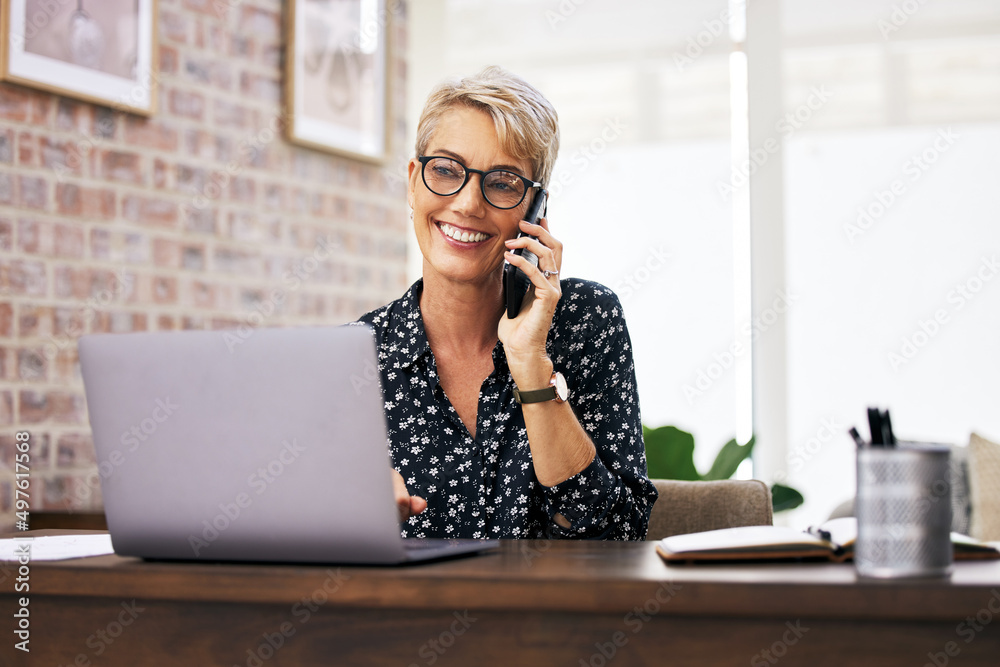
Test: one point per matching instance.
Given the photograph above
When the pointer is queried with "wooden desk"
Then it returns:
(533, 603)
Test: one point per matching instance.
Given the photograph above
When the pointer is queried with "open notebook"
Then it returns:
(832, 541)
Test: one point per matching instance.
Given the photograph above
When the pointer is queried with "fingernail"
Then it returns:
(509, 242)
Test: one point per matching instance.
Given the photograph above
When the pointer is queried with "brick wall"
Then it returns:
(110, 222)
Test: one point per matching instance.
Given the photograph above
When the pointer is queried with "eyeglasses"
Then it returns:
(446, 177)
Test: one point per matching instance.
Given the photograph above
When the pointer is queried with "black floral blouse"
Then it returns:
(486, 487)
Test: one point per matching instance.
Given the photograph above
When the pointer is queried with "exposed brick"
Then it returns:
(199, 144)
(31, 366)
(75, 450)
(149, 211)
(34, 237)
(191, 179)
(200, 220)
(6, 234)
(224, 154)
(197, 70)
(7, 415)
(137, 248)
(100, 243)
(6, 319)
(259, 87)
(7, 146)
(166, 253)
(229, 114)
(243, 190)
(27, 277)
(6, 188)
(71, 282)
(73, 116)
(271, 55)
(63, 157)
(203, 224)
(15, 103)
(202, 294)
(260, 22)
(165, 290)
(231, 260)
(125, 322)
(124, 167)
(169, 58)
(68, 241)
(34, 192)
(242, 47)
(174, 27)
(161, 174)
(33, 321)
(274, 197)
(83, 493)
(96, 203)
(41, 108)
(193, 258)
(57, 493)
(150, 133)
(70, 322)
(34, 406)
(27, 149)
(105, 123)
(67, 407)
(187, 104)
(211, 35)
(68, 200)
(65, 367)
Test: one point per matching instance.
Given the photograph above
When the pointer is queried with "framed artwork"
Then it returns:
(335, 79)
(101, 51)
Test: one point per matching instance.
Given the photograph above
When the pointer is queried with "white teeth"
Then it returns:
(464, 237)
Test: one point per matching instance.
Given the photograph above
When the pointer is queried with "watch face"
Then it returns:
(562, 389)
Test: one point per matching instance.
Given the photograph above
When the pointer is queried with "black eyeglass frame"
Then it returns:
(424, 159)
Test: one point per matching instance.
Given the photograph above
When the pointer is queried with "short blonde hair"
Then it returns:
(526, 123)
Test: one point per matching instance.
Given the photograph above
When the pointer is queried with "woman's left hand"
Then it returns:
(524, 336)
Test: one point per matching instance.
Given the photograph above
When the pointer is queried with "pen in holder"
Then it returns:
(904, 511)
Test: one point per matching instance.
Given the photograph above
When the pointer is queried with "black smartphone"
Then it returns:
(515, 283)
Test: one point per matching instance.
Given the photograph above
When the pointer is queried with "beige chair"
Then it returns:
(691, 507)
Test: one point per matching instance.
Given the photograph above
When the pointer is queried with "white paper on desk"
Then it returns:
(56, 547)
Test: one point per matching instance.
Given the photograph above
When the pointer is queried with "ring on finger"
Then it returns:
(549, 274)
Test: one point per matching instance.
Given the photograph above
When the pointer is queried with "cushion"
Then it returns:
(692, 507)
(961, 499)
(984, 485)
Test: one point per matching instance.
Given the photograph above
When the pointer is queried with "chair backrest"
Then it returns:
(692, 507)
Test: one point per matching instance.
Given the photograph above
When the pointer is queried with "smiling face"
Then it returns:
(462, 236)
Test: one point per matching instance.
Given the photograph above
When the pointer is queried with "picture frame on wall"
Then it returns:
(101, 51)
(336, 76)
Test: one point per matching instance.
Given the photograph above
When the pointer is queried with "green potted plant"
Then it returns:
(670, 455)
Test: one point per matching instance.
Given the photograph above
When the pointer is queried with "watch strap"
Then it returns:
(535, 395)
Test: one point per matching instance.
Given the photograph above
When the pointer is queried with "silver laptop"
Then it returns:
(247, 445)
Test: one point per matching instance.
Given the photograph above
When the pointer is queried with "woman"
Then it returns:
(479, 449)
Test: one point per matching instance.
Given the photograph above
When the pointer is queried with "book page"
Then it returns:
(744, 538)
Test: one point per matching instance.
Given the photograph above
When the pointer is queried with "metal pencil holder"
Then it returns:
(904, 511)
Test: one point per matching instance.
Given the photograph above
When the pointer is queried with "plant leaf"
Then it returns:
(785, 498)
(670, 453)
(729, 459)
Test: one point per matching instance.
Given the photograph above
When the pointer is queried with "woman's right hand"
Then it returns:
(406, 504)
